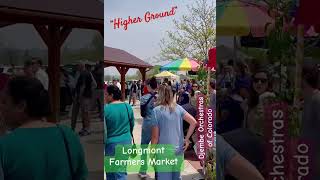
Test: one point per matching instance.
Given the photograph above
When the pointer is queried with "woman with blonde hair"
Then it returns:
(168, 127)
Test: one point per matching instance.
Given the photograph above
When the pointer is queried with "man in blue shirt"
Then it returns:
(147, 104)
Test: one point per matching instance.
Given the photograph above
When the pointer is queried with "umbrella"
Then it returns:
(242, 18)
(165, 74)
(306, 14)
(185, 64)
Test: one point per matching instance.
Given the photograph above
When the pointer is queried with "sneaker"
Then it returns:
(143, 175)
(84, 132)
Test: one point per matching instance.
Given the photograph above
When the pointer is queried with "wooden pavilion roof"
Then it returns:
(85, 14)
(118, 57)
(54, 20)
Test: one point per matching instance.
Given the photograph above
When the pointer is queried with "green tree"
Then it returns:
(194, 35)
(155, 70)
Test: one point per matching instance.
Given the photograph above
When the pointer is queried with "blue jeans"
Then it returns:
(110, 151)
(168, 176)
(172, 175)
(145, 140)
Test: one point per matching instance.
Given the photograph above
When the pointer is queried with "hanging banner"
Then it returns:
(302, 165)
(201, 128)
(277, 141)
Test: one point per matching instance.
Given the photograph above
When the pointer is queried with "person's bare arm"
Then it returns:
(242, 169)
(190, 119)
(155, 135)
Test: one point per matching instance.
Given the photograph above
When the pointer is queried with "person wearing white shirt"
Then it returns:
(39, 73)
(119, 85)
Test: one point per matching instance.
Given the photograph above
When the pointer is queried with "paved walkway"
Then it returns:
(192, 167)
(94, 148)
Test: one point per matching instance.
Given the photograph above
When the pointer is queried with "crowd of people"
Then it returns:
(165, 119)
(30, 146)
(243, 94)
(87, 95)
(241, 97)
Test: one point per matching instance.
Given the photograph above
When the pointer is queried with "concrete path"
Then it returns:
(94, 149)
(189, 173)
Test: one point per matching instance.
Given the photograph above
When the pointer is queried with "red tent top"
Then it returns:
(308, 13)
(212, 58)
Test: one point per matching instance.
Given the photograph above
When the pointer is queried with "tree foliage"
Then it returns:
(194, 34)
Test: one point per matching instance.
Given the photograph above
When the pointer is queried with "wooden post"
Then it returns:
(299, 63)
(123, 71)
(143, 74)
(54, 37)
(101, 32)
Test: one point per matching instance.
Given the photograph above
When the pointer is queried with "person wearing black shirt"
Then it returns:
(98, 75)
(82, 100)
(133, 91)
(183, 97)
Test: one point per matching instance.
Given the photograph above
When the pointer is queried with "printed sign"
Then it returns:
(201, 129)
(210, 128)
(277, 141)
(302, 159)
(148, 17)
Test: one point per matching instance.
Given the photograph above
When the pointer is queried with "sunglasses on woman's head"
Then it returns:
(262, 80)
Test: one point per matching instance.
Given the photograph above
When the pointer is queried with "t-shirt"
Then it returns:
(235, 117)
(118, 118)
(134, 88)
(183, 98)
(213, 100)
(149, 110)
(98, 76)
(119, 85)
(40, 153)
(83, 85)
(42, 76)
(225, 153)
(311, 117)
(311, 125)
(145, 90)
(170, 126)
(4, 78)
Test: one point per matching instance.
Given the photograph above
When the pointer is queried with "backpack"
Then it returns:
(143, 107)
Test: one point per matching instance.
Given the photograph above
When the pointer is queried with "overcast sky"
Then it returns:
(141, 40)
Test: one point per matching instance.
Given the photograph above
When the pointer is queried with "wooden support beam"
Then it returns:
(64, 33)
(54, 71)
(101, 32)
(43, 32)
(143, 73)
(123, 71)
(299, 64)
(54, 36)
